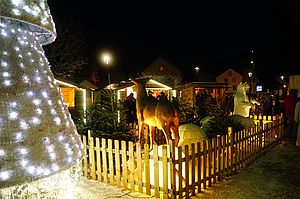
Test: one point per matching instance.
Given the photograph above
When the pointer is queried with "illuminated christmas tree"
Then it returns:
(38, 138)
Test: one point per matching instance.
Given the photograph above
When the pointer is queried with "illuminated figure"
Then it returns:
(38, 138)
(242, 105)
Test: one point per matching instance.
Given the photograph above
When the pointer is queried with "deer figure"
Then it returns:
(156, 114)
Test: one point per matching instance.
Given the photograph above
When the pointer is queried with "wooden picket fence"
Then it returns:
(170, 172)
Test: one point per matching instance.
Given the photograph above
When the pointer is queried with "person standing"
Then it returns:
(130, 106)
(297, 121)
(289, 104)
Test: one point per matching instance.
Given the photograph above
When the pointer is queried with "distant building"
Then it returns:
(231, 77)
(188, 92)
(162, 71)
(294, 82)
(77, 96)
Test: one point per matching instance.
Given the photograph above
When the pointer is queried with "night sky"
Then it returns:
(213, 35)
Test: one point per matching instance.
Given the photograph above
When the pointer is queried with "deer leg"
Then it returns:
(141, 133)
(166, 130)
(175, 134)
(147, 134)
(152, 133)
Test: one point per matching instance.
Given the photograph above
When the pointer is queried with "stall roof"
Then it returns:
(151, 84)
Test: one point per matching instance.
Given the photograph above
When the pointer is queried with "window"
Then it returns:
(225, 79)
(68, 96)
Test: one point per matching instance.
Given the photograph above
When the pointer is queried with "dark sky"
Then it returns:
(214, 35)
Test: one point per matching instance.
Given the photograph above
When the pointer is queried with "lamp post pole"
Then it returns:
(251, 82)
(106, 60)
(282, 82)
(197, 69)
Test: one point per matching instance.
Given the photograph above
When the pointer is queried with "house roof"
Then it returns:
(89, 85)
(160, 67)
(230, 69)
(84, 84)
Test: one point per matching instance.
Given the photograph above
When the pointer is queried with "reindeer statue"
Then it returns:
(156, 114)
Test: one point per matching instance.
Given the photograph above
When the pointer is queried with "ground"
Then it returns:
(91, 189)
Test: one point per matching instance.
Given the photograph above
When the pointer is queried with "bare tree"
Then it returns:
(67, 53)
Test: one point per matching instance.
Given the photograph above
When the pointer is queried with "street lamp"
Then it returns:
(107, 60)
(282, 82)
(197, 69)
(250, 79)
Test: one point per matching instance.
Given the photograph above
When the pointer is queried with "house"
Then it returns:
(77, 96)
(294, 82)
(164, 72)
(231, 77)
(188, 92)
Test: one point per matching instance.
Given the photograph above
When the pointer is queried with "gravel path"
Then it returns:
(91, 189)
(274, 175)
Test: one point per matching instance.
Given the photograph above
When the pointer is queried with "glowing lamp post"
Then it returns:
(107, 60)
(250, 78)
(197, 69)
(282, 81)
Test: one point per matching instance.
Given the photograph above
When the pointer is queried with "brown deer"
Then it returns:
(156, 114)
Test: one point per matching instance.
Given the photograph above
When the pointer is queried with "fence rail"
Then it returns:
(170, 172)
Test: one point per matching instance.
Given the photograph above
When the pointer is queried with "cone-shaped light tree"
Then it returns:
(37, 135)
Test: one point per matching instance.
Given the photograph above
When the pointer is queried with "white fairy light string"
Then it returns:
(38, 138)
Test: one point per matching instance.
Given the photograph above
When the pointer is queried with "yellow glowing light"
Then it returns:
(250, 74)
(106, 59)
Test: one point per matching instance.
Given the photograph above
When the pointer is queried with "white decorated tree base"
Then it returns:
(61, 185)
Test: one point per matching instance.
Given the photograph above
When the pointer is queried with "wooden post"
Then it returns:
(219, 144)
(204, 163)
(180, 172)
(165, 172)
(85, 159)
(139, 167)
(110, 162)
(117, 163)
(214, 160)
(92, 158)
(131, 166)
(193, 168)
(224, 155)
(187, 174)
(209, 162)
(199, 156)
(104, 160)
(124, 163)
(156, 170)
(172, 169)
(147, 168)
(98, 156)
